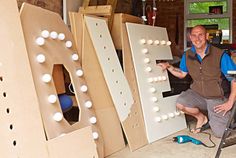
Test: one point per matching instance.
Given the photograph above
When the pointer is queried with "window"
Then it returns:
(216, 15)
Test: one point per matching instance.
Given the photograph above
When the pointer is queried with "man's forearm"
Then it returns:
(176, 71)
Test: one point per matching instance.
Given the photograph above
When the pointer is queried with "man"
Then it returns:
(205, 64)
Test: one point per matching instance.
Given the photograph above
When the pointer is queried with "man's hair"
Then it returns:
(199, 26)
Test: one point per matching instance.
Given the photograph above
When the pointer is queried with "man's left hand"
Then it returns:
(223, 108)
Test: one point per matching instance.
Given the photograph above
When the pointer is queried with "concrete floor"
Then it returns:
(165, 148)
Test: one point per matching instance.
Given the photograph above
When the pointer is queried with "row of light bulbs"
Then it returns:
(53, 35)
(156, 79)
(149, 69)
(47, 78)
(154, 42)
(168, 116)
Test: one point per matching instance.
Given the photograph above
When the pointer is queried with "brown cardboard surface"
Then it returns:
(77, 31)
(22, 132)
(119, 19)
(58, 79)
(133, 126)
(108, 119)
(102, 10)
(68, 144)
(35, 20)
(113, 4)
(70, 6)
(112, 133)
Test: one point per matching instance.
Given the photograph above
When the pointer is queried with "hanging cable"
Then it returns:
(144, 11)
(154, 9)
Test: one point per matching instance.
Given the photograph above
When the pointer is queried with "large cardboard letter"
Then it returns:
(149, 44)
(32, 124)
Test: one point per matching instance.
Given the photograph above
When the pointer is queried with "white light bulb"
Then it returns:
(144, 50)
(52, 98)
(177, 113)
(144, 18)
(163, 78)
(164, 117)
(146, 60)
(40, 41)
(168, 43)
(40, 58)
(79, 72)
(155, 79)
(150, 42)
(88, 104)
(142, 41)
(163, 42)
(93, 120)
(45, 34)
(159, 78)
(156, 42)
(154, 99)
(150, 80)
(95, 135)
(68, 44)
(84, 88)
(47, 78)
(153, 90)
(171, 115)
(158, 119)
(148, 69)
(61, 36)
(75, 57)
(156, 109)
(57, 116)
(53, 35)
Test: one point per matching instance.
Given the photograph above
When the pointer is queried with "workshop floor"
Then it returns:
(165, 148)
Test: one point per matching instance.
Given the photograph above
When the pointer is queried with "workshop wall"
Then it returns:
(170, 14)
(53, 5)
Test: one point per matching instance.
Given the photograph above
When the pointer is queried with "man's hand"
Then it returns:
(173, 70)
(164, 65)
(223, 108)
(229, 104)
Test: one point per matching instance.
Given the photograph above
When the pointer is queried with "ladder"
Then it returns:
(229, 136)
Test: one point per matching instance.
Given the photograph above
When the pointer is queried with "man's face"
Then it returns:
(199, 37)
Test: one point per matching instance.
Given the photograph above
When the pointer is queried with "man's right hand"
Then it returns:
(164, 65)
(174, 71)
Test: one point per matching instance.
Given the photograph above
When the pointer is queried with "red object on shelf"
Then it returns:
(233, 46)
(150, 13)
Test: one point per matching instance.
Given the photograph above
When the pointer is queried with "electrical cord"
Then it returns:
(213, 143)
(210, 139)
